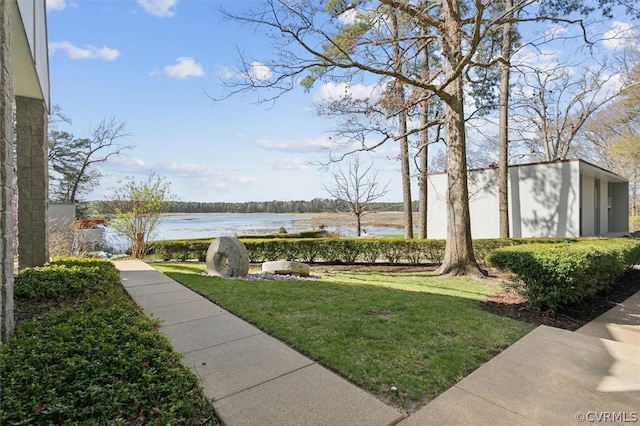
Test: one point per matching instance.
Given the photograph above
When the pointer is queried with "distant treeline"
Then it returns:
(317, 205)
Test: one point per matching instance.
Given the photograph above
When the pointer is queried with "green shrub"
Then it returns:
(370, 251)
(65, 278)
(96, 362)
(181, 249)
(566, 273)
(315, 246)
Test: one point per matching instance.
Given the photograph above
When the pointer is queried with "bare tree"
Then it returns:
(613, 135)
(308, 37)
(73, 161)
(357, 187)
(554, 104)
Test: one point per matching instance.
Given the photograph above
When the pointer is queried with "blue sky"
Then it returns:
(152, 64)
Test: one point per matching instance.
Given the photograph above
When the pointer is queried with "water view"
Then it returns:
(187, 226)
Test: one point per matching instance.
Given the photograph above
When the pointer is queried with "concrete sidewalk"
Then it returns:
(550, 376)
(252, 378)
(553, 376)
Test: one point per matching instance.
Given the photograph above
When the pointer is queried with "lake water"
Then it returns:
(186, 226)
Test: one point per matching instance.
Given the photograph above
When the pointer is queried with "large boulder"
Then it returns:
(286, 267)
(227, 257)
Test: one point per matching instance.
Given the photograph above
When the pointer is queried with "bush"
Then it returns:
(96, 362)
(312, 247)
(65, 278)
(560, 274)
(181, 249)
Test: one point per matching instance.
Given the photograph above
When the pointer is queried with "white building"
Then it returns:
(24, 88)
(569, 198)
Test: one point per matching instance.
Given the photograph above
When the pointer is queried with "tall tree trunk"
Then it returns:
(458, 257)
(402, 130)
(406, 177)
(424, 152)
(503, 157)
(423, 198)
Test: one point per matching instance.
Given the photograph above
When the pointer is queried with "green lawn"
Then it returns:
(415, 331)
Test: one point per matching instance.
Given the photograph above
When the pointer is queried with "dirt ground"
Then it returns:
(509, 304)
(343, 220)
(571, 317)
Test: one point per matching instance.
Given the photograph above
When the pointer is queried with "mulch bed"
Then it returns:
(570, 317)
(509, 304)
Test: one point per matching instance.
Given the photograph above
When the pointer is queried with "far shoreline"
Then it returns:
(392, 219)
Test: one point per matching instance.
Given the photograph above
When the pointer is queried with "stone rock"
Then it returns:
(227, 257)
(286, 267)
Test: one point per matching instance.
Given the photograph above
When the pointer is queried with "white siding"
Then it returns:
(588, 201)
(30, 50)
(437, 211)
(604, 207)
(543, 201)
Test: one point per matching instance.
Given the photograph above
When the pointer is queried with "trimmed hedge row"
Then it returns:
(96, 360)
(64, 278)
(337, 250)
(561, 274)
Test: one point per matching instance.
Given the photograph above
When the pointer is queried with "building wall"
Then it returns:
(547, 198)
(31, 58)
(604, 207)
(24, 74)
(7, 232)
(33, 177)
(587, 205)
(544, 201)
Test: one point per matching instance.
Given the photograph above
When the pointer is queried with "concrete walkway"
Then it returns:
(252, 378)
(551, 376)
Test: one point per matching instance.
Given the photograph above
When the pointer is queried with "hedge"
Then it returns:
(554, 275)
(64, 278)
(337, 250)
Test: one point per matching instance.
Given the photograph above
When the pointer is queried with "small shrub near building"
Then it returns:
(554, 275)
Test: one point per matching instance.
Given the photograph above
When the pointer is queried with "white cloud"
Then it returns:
(620, 35)
(334, 91)
(260, 71)
(348, 17)
(243, 179)
(56, 4)
(257, 72)
(87, 52)
(185, 68)
(159, 8)
(309, 145)
(225, 73)
(126, 166)
(541, 59)
(289, 163)
(189, 181)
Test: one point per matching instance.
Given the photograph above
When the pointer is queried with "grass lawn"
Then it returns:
(415, 331)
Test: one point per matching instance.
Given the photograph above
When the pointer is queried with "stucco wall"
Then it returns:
(543, 201)
(588, 201)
